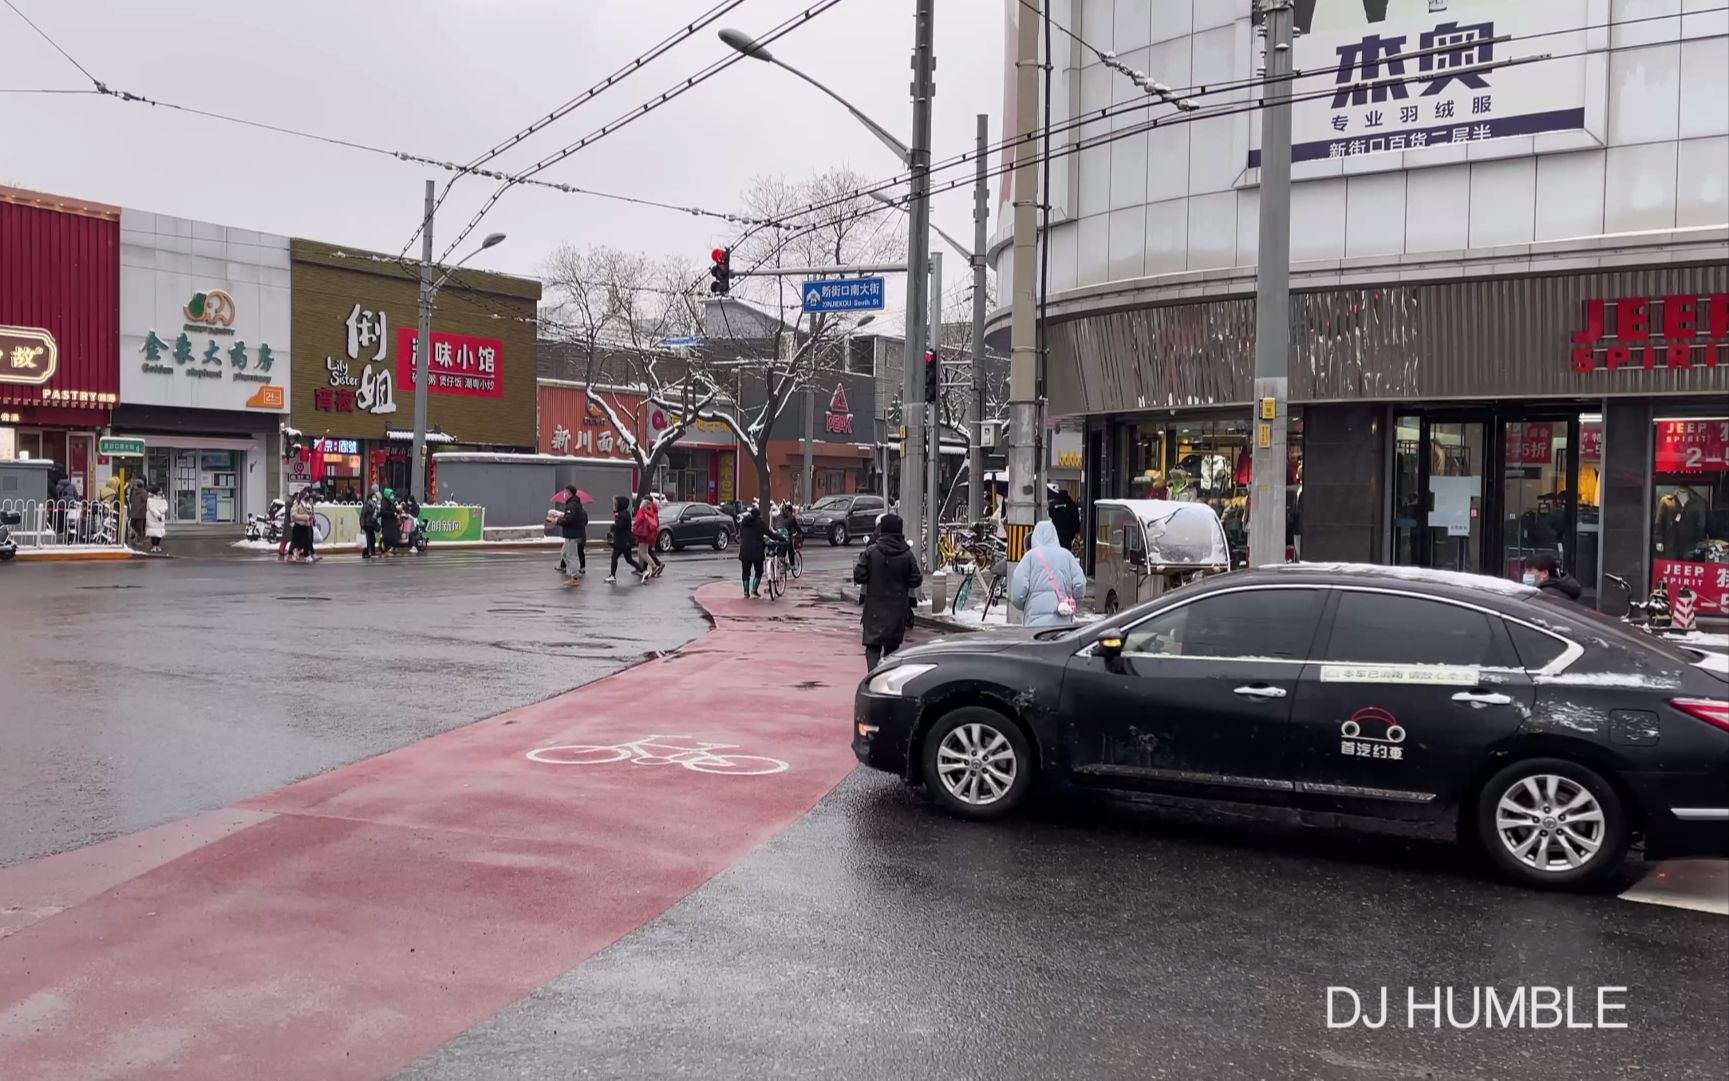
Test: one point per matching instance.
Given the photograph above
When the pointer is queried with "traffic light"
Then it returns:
(933, 377)
(720, 272)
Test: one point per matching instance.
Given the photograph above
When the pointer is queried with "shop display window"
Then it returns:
(1690, 511)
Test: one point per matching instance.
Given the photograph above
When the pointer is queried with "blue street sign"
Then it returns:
(843, 295)
(672, 343)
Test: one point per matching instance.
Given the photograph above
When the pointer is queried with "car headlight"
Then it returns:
(894, 680)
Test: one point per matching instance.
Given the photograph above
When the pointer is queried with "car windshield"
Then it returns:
(832, 502)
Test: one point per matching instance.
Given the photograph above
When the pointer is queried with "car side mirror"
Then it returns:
(1110, 644)
(1136, 557)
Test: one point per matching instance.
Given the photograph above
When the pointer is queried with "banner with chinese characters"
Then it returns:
(1692, 446)
(202, 332)
(447, 523)
(1370, 95)
(1708, 581)
(1530, 443)
(573, 424)
(460, 364)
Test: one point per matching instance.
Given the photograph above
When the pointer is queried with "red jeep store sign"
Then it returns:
(1683, 330)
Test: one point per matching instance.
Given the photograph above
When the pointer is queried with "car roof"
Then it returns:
(1442, 582)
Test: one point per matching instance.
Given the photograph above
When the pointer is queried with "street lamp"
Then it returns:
(965, 252)
(745, 44)
(423, 344)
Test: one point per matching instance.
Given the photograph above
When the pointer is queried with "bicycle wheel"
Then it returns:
(739, 765)
(578, 755)
(999, 589)
(773, 584)
(962, 593)
(795, 563)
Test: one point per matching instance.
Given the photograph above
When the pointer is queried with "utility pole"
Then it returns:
(981, 238)
(809, 434)
(1272, 295)
(934, 425)
(1024, 504)
(918, 270)
(423, 351)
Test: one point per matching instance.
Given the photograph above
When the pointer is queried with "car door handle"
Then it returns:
(1483, 698)
(1259, 690)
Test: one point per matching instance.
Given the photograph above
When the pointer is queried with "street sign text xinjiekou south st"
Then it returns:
(112, 447)
(843, 295)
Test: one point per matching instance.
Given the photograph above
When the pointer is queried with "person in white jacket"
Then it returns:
(156, 518)
(1049, 584)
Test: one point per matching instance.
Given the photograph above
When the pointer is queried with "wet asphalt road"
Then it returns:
(876, 938)
(140, 692)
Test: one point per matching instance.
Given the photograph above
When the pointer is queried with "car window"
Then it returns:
(1267, 623)
(1397, 628)
(831, 502)
(1535, 648)
(868, 504)
(703, 510)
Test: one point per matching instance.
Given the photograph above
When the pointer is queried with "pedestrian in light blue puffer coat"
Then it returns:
(1048, 585)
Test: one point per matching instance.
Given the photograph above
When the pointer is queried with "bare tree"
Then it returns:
(616, 308)
(853, 232)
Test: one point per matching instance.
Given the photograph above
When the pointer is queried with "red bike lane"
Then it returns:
(348, 924)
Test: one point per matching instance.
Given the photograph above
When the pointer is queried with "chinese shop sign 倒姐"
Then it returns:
(371, 391)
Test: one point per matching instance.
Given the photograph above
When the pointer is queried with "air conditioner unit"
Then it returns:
(991, 433)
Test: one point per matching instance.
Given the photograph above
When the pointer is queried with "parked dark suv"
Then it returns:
(840, 518)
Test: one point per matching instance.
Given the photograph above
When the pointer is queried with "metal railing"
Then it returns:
(51, 523)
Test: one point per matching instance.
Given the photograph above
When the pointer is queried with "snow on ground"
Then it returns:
(355, 546)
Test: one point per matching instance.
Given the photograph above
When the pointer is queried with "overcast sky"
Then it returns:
(449, 78)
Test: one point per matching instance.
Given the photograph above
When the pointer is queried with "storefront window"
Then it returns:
(1145, 465)
(1690, 519)
(1534, 504)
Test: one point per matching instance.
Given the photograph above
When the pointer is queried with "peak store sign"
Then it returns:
(1682, 330)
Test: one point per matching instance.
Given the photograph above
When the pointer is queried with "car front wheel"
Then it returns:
(837, 534)
(1552, 824)
(721, 540)
(977, 763)
(663, 543)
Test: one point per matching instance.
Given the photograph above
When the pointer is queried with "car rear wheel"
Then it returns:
(1552, 824)
(721, 540)
(977, 763)
(663, 543)
(837, 534)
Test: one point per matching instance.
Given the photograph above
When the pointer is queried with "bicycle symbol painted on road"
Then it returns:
(686, 751)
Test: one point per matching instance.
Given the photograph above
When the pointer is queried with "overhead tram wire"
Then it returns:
(665, 45)
(713, 69)
(70, 59)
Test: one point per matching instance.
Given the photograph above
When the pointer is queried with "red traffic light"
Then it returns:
(718, 255)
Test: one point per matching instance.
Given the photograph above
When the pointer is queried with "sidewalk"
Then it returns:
(349, 924)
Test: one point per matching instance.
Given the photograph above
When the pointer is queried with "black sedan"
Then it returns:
(1557, 736)
(682, 524)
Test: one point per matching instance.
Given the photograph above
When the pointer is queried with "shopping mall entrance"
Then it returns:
(1483, 490)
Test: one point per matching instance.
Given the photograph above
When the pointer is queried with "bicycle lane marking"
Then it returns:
(388, 906)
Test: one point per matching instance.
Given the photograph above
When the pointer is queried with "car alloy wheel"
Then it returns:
(663, 543)
(1551, 822)
(721, 540)
(976, 763)
(837, 534)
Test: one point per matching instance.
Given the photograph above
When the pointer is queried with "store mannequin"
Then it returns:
(1151, 485)
(1680, 523)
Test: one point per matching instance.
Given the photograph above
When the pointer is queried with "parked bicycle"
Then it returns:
(995, 592)
(686, 751)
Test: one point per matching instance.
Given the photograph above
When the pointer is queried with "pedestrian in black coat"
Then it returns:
(623, 544)
(752, 549)
(887, 570)
(1066, 516)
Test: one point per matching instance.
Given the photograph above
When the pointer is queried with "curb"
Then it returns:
(62, 557)
(920, 619)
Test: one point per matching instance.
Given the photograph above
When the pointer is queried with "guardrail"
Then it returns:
(55, 523)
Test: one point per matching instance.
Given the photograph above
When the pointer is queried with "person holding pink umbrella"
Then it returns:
(573, 527)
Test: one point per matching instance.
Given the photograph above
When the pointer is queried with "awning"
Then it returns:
(406, 435)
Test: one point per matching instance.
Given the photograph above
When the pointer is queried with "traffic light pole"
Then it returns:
(423, 350)
(912, 502)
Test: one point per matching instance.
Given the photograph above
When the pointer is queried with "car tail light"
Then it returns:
(1710, 710)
